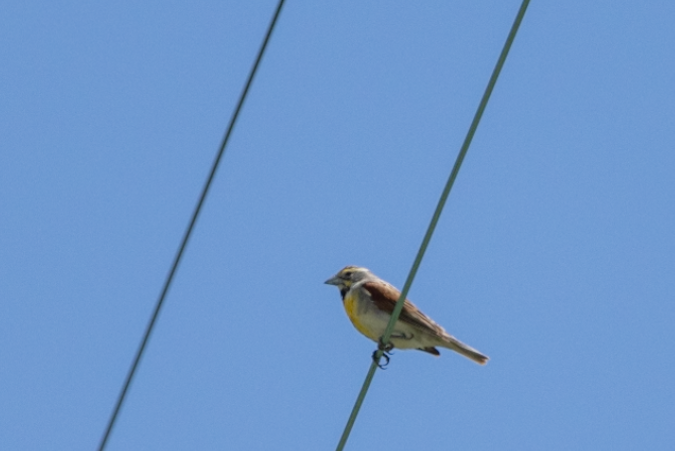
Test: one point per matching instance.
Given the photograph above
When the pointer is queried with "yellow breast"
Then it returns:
(351, 307)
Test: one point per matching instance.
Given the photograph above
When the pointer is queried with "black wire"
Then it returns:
(188, 232)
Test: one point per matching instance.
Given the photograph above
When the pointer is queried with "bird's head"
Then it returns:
(348, 276)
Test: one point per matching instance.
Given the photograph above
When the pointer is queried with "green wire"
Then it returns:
(186, 236)
(434, 221)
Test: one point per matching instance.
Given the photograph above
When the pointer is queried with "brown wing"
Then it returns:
(385, 296)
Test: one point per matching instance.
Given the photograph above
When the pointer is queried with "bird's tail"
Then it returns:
(451, 342)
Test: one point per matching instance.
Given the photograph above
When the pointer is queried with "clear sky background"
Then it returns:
(555, 254)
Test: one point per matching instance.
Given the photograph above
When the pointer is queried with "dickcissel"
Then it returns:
(369, 302)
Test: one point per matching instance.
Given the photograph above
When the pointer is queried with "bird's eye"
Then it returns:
(348, 274)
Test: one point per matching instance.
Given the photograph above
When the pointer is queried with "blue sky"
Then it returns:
(555, 254)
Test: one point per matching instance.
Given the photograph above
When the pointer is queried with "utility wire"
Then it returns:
(188, 232)
(434, 220)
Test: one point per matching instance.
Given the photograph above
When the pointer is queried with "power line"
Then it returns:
(434, 221)
(188, 232)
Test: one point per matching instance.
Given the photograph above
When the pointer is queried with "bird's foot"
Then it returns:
(386, 353)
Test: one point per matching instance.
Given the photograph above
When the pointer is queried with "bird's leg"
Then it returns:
(402, 336)
(384, 347)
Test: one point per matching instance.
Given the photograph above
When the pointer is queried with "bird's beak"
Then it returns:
(335, 280)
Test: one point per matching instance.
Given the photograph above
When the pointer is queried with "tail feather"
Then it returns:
(464, 349)
(430, 350)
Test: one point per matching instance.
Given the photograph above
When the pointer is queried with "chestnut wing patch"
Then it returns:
(385, 296)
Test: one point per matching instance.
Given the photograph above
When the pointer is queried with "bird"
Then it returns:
(369, 302)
